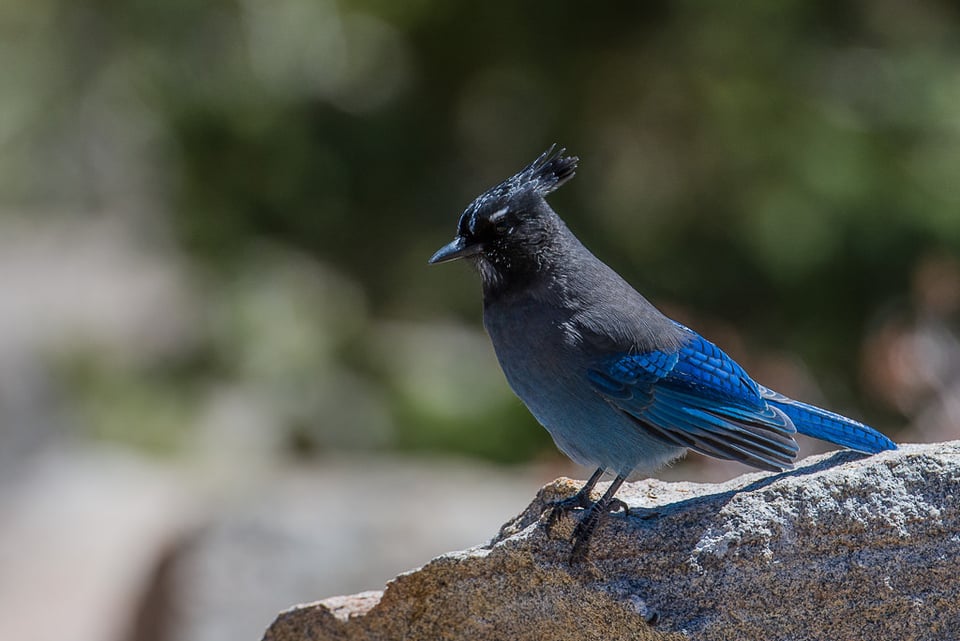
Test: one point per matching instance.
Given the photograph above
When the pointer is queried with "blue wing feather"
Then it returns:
(700, 398)
(706, 369)
(647, 366)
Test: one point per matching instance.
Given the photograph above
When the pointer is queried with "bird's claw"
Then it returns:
(580, 500)
(616, 505)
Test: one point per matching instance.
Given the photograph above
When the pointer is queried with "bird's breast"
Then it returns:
(539, 352)
(545, 361)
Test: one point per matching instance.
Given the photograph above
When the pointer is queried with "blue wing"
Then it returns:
(699, 398)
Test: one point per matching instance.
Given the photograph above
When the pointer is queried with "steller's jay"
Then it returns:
(618, 385)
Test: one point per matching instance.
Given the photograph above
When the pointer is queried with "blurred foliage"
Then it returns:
(776, 167)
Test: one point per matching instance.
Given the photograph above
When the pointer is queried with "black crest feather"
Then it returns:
(543, 176)
(550, 170)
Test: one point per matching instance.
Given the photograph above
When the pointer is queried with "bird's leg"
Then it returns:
(579, 500)
(588, 524)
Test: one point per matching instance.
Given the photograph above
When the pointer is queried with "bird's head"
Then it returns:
(507, 227)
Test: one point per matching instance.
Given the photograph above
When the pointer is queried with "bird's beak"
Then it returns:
(457, 248)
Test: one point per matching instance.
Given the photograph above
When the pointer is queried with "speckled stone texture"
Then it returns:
(843, 547)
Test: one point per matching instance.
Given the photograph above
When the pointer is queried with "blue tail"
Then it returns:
(827, 426)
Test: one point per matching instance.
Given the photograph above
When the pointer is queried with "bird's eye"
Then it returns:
(484, 227)
(500, 220)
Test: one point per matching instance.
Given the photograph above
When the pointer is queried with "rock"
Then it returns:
(843, 547)
(281, 536)
(80, 529)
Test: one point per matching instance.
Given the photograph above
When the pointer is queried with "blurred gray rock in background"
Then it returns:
(342, 525)
(844, 547)
(80, 532)
(129, 548)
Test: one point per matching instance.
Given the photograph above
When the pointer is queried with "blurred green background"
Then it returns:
(216, 215)
(778, 170)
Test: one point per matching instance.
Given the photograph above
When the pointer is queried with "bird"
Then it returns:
(619, 386)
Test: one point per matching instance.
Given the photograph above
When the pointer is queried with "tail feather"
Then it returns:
(828, 426)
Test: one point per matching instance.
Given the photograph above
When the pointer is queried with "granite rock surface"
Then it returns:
(845, 546)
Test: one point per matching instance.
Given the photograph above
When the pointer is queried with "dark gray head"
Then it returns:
(506, 230)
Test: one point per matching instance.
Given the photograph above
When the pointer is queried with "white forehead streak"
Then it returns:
(498, 215)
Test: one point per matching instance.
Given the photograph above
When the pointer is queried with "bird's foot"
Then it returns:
(580, 500)
(588, 525)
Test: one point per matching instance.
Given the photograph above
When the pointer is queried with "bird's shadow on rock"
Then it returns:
(646, 518)
(719, 499)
